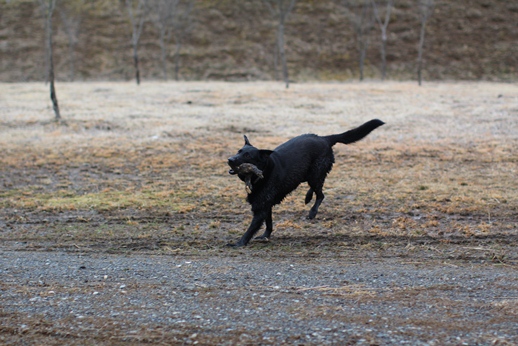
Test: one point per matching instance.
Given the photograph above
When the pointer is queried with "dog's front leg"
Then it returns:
(257, 222)
(269, 227)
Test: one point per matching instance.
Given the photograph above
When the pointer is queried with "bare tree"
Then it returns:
(425, 11)
(276, 60)
(162, 17)
(280, 10)
(360, 15)
(71, 16)
(137, 12)
(47, 7)
(383, 27)
(182, 24)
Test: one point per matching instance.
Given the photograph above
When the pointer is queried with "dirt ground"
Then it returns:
(114, 223)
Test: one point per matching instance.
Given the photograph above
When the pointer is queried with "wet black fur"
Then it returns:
(306, 158)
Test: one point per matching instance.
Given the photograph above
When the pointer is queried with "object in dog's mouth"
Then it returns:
(248, 170)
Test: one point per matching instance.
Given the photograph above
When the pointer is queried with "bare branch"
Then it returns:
(383, 27)
(425, 11)
(162, 14)
(182, 24)
(137, 18)
(362, 20)
(280, 10)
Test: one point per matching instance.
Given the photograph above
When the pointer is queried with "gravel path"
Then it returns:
(241, 298)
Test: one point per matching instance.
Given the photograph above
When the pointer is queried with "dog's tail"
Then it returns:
(356, 134)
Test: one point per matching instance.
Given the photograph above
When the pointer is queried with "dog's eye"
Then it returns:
(247, 155)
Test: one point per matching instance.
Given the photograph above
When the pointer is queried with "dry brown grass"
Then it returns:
(152, 161)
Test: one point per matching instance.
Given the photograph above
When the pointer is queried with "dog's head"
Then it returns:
(248, 154)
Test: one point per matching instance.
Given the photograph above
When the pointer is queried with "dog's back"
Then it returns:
(301, 159)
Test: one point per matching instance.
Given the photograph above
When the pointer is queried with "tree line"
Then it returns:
(173, 20)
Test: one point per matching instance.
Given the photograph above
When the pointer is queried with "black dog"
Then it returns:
(304, 158)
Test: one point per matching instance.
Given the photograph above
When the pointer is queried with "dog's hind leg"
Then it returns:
(309, 196)
(269, 227)
(316, 185)
(314, 209)
(316, 179)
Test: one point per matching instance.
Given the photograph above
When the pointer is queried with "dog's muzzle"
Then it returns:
(232, 164)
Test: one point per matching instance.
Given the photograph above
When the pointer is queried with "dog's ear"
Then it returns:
(265, 154)
(247, 142)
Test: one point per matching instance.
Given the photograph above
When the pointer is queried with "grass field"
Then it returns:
(444, 165)
(142, 169)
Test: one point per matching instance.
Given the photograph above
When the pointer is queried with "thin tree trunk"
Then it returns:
(181, 24)
(282, 13)
(72, 58)
(53, 95)
(46, 41)
(383, 27)
(276, 60)
(163, 54)
(420, 52)
(426, 9)
(177, 59)
(383, 53)
(137, 23)
(363, 49)
(363, 45)
(136, 63)
(363, 26)
(282, 52)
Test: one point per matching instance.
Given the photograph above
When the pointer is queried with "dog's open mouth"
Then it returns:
(233, 169)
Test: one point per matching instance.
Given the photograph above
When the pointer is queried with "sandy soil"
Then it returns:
(113, 224)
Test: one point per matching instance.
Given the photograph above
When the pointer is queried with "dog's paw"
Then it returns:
(262, 238)
(236, 245)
